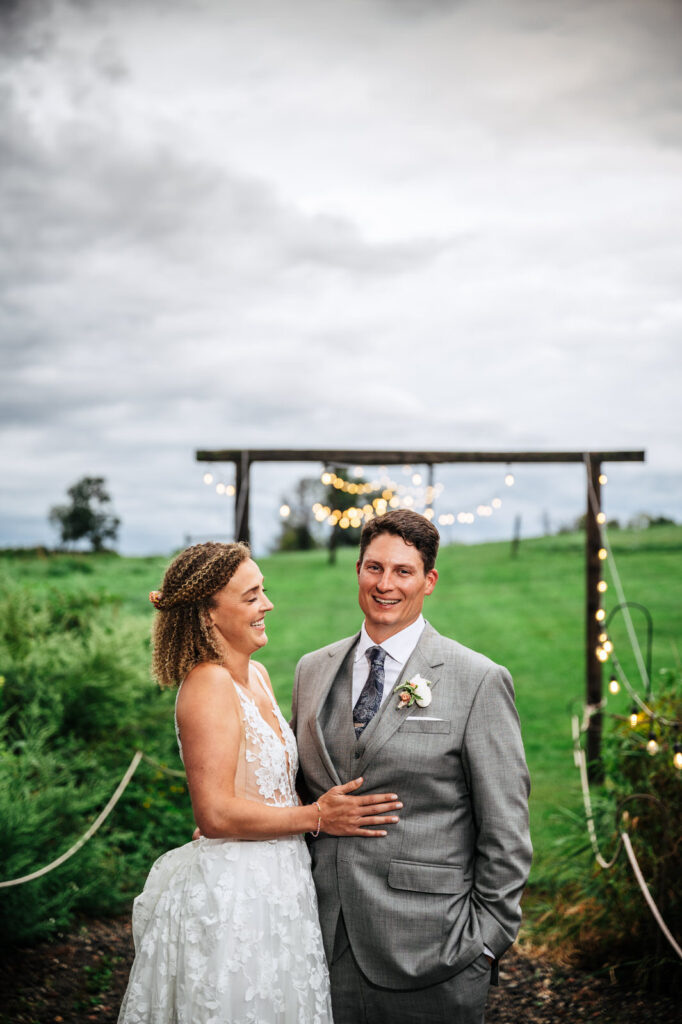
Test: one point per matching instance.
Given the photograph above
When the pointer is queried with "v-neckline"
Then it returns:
(280, 739)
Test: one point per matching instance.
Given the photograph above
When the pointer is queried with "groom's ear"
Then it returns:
(431, 580)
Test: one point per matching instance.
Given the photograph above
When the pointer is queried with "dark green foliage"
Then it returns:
(76, 700)
(602, 912)
(88, 515)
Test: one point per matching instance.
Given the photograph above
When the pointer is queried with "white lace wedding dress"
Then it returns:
(226, 931)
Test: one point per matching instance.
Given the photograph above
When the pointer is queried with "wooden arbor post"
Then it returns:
(242, 467)
(593, 605)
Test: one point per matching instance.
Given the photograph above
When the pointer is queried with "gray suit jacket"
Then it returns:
(420, 904)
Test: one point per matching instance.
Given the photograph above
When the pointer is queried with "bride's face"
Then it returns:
(239, 610)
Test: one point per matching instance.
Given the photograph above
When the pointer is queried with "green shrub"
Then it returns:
(76, 700)
(602, 913)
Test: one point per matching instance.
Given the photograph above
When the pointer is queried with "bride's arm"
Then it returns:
(209, 722)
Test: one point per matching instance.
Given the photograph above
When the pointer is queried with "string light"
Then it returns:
(221, 487)
(509, 479)
(652, 746)
(602, 586)
(601, 518)
(603, 479)
(602, 554)
(677, 756)
(634, 717)
(393, 495)
(614, 685)
(600, 615)
(284, 511)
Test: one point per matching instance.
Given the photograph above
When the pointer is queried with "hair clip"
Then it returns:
(155, 597)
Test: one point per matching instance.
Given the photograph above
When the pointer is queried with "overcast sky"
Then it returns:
(450, 224)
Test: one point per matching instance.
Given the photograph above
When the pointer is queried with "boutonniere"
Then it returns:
(414, 691)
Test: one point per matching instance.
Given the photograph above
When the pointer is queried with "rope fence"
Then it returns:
(99, 820)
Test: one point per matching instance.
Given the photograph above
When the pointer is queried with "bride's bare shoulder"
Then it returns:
(206, 683)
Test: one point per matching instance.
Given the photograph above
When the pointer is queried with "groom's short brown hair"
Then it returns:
(413, 527)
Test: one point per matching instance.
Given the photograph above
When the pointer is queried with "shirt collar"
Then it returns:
(399, 646)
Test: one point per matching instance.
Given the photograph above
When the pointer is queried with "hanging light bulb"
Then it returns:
(208, 478)
(634, 717)
(602, 655)
(601, 518)
(602, 586)
(608, 646)
(652, 746)
(614, 685)
(603, 479)
(600, 615)
(509, 479)
(677, 756)
(284, 511)
(602, 554)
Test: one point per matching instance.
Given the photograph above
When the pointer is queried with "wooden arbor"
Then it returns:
(243, 458)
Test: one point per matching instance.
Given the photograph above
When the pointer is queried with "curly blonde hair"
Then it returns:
(181, 633)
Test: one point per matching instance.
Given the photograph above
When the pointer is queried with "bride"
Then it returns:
(226, 929)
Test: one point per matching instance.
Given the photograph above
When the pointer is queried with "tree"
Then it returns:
(297, 529)
(88, 515)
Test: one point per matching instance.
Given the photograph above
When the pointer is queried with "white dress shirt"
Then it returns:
(398, 649)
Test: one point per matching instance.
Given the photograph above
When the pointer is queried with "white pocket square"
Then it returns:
(423, 718)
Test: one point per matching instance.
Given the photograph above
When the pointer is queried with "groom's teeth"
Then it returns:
(383, 600)
(261, 622)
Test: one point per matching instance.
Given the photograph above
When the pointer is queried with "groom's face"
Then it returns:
(392, 585)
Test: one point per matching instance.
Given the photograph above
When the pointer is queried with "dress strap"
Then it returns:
(268, 691)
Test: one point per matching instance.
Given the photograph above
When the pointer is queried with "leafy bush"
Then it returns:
(76, 700)
(601, 913)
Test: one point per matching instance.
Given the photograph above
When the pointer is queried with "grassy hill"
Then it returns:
(525, 612)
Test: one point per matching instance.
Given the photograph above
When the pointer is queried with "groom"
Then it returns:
(414, 921)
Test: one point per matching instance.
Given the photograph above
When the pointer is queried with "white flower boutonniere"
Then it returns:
(414, 691)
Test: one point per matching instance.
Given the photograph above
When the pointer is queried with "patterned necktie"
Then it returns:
(369, 700)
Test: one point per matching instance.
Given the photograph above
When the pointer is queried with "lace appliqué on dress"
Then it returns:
(275, 763)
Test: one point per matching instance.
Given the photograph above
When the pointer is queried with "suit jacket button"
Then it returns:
(356, 755)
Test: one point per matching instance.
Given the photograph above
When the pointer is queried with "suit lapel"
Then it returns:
(426, 660)
(335, 658)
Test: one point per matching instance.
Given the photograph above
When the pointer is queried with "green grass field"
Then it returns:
(527, 613)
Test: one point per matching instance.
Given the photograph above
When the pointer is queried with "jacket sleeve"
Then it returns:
(301, 787)
(499, 785)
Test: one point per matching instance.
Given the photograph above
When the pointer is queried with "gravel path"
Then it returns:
(81, 977)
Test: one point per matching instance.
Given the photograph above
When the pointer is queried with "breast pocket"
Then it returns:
(425, 725)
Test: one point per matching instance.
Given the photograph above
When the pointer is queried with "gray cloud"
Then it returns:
(275, 226)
